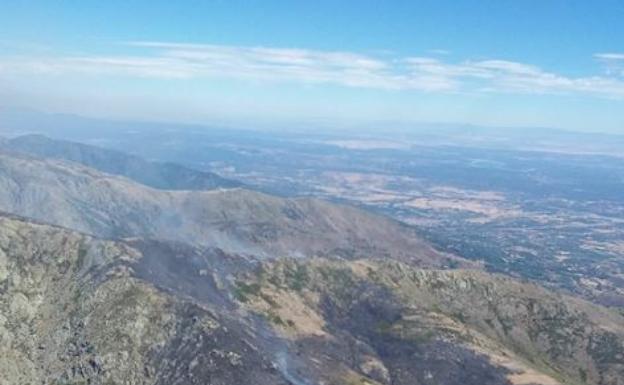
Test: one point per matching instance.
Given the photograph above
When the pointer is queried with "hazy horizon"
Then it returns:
(324, 124)
(508, 64)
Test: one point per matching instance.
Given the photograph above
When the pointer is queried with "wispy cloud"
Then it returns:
(610, 56)
(514, 77)
(425, 74)
(613, 62)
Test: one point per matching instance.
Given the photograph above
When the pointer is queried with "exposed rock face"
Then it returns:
(72, 311)
(392, 324)
(234, 220)
(167, 176)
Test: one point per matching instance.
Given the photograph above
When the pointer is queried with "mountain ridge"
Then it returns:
(235, 220)
(166, 176)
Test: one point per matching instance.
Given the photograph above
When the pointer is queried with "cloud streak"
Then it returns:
(347, 69)
(613, 62)
(610, 56)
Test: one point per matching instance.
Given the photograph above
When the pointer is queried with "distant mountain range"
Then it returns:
(117, 134)
(166, 176)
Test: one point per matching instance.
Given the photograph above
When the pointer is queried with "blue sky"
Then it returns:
(504, 63)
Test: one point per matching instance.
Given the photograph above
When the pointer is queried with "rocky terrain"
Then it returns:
(379, 322)
(75, 309)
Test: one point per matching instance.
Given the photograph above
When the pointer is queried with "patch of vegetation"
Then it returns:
(298, 277)
(337, 277)
(274, 280)
(82, 254)
(459, 317)
(268, 299)
(243, 291)
(276, 319)
(372, 274)
(605, 348)
(582, 374)
(76, 296)
(383, 327)
(453, 264)
(422, 338)
(506, 322)
(129, 298)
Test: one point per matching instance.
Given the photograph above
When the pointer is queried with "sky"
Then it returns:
(501, 63)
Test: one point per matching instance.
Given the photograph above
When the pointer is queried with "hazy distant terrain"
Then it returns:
(168, 176)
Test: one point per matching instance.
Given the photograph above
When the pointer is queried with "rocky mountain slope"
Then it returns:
(235, 220)
(167, 176)
(365, 322)
(75, 309)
